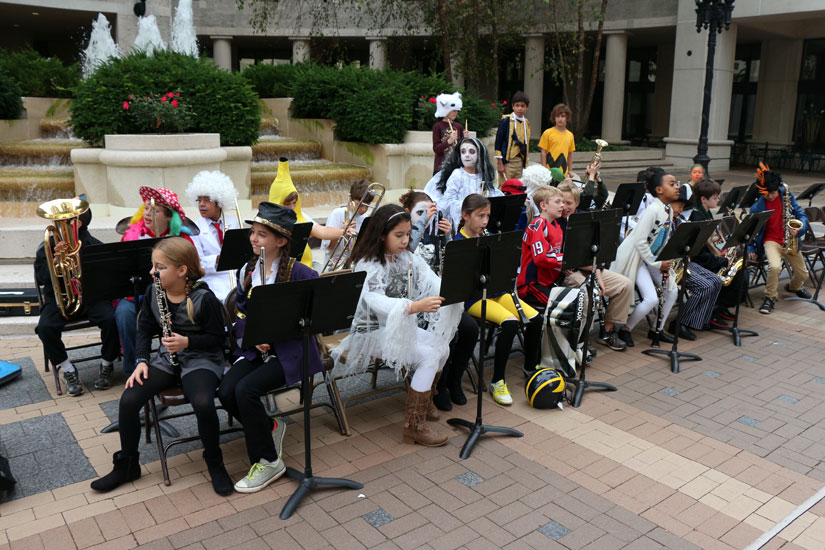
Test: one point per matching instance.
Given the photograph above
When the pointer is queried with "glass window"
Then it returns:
(634, 71)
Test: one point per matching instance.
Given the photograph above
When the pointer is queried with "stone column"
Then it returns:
(534, 80)
(688, 91)
(222, 51)
(663, 90)
(300, 49)
(615, 70)
(780, 63)
(378, 52)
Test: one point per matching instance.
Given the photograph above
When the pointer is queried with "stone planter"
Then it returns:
(112, 175)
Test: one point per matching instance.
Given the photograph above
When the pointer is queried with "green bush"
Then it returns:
(273, 80)
(483, 115)
(11, 104)
(387, 124)
(221, 102)
(160, 114)
(40, 76)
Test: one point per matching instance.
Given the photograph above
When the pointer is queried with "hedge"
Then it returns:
(367, 105)
(11, 104)
(40, 76)
(221, 102)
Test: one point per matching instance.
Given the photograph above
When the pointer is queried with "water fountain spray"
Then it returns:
(183, 30)
(148, 38)
(101, 46)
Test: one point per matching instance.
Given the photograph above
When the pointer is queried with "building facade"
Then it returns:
(768, 78)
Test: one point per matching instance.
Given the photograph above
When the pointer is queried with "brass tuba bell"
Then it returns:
(64, 264)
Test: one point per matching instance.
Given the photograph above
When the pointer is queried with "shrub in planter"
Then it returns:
(274, 80)
(160, 114)
(380, 114)
(11, 104)
(40, 76)
(221, 102)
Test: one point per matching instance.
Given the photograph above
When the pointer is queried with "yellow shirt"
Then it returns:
(558, 145)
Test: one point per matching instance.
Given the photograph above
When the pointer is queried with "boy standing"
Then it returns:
(513, 139)
(771, 239)
(541, 249)
(558, 143)
(212, 192)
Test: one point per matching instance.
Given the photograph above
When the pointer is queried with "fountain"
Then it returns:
(183, 30)
(148, 37)
(101, 46)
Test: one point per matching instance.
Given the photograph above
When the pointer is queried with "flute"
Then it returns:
(262, 272)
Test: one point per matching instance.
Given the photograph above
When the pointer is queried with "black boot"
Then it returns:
(127, 468)
(441, 396)
(221, 482)
(456, 392)
(532, 343)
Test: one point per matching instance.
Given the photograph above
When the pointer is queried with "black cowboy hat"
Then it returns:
(279, 219)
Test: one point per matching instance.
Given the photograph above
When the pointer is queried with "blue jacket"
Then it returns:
(505, 137)
(755, 246)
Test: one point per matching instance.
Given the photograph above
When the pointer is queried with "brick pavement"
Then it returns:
(709, 458)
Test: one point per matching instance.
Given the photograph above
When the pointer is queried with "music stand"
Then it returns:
(469, 274)
(112, 271)
(750, 197)
(627, 198)
(300, 237)
(812, 191)
(748, 228)
(687, 241)
(731, 200)
(306, 307)
(504, 212)
(591, 239)
(236, 250)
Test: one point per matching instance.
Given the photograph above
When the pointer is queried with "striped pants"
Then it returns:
(704, 287)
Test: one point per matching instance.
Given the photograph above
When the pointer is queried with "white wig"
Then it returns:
(446, 103)
(535, 176)
(215, 185)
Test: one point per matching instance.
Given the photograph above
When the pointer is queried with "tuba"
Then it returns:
(64, 264)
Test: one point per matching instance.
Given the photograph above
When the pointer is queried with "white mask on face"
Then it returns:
(418, 211)
(469, 155)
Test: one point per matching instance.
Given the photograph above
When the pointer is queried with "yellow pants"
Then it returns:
(774, 254)
(501, 308)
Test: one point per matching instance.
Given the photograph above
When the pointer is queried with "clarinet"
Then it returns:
(659, 321)
(442, 245)
(164, 314)
(601, 308)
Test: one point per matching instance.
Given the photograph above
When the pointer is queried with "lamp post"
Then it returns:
(713, 15)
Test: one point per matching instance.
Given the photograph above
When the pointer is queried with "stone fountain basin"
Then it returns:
(128, 161)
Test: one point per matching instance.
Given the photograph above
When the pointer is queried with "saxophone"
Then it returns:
(791, 243)
(164, 314)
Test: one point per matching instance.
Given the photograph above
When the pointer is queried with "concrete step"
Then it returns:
(269, 127)
(20, 237)
(320, 183)
(39, 152)
(56, 128)
(18, 326)
(35, 184)
(272, 147)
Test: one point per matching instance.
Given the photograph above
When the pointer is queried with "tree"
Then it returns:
(571, 41)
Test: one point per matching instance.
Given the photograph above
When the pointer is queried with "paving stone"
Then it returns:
(24, 390)
(553, 530)
(377, 518)
(470, 479)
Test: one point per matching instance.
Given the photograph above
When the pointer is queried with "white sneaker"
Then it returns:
(500, 393)
(278, 434)
(261, 474)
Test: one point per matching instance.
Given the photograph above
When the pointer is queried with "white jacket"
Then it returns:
(635, 248)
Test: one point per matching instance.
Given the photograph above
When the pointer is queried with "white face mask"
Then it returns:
(419, 211)
(469, 155)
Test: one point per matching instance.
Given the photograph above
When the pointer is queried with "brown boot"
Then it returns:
(415, 424)
(432, 412)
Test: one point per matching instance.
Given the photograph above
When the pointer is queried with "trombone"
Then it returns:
(339, 258)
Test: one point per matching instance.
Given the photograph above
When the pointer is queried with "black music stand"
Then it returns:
(112, 271)
(750, 197)
(731, 200)
(748, 228)
(687, 241)
(306, 307)
(504, 213)
(300, 237)
(469, 274)
(235, 250)
(591, 239)
(627, 198)
(812, 191)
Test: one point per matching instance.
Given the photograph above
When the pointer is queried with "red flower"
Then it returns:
(163, 98)
(178, 94)
(504, 102)
(126, 105)
(174, 103)
(170, 94)
(494, 104)
(432, 100)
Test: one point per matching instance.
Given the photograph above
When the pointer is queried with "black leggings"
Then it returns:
(504, 345)
(240, 393)
(462, 349)
(199, 386)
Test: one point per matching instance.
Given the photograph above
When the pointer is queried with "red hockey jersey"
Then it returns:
(541, 258)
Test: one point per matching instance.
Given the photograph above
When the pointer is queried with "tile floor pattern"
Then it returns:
(709, 458)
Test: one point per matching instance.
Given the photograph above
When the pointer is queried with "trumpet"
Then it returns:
(64, 261)
(597, 157)
(339, 258)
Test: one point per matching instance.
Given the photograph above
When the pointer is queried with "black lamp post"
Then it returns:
(713, 15)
